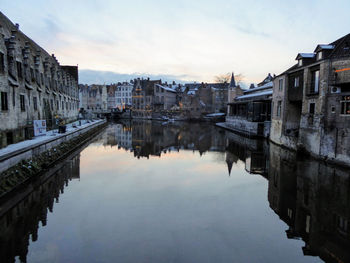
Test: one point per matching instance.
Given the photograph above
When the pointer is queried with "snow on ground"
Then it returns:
(45, 138)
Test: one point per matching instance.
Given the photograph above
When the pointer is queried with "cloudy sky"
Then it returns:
(183, 39)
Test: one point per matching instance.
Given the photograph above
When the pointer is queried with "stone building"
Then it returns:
(111, 96)
(164, 97)
(250, 113)
(33, 85)
(142, 98)
(93, 98)
(312, 103)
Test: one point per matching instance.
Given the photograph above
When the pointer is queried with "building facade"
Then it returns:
(123, 95)
(250, 113)
(33, 85)
(312, 103)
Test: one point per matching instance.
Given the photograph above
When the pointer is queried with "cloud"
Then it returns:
(107, 77)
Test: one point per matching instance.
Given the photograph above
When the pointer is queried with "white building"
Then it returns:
(123, 95)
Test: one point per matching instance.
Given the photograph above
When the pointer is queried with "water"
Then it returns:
(157, 192)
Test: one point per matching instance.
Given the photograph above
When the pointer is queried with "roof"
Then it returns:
(321, 47)
(258, 94)
(233, 82)
(166, 88)
(268, 85)
(305, 55)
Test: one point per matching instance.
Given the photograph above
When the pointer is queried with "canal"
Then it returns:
(146, 191)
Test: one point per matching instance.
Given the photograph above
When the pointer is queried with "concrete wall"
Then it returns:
(12, 158)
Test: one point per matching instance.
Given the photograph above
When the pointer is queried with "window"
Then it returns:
(279, 108)
(280, 85)
(300, 62)
(4, 104)
(32, 74)
(23, 106)
(312, 108)
(35, 103)
(296, 82)
(2, 62)
(345, 105)
(19, 70)
(315, 81)
(319, 55)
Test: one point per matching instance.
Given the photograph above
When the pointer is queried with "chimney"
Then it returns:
(17, 26)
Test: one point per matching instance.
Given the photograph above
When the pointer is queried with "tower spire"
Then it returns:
(233, 82)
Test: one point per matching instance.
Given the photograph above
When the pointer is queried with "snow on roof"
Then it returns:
(202, 103)
(263, 93)
(265, 86)
(326, 46)
(166, 88)
(306, 55)
(191, 92)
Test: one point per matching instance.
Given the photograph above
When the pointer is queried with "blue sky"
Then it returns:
(188, 40)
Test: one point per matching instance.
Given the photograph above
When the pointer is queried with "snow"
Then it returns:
(326, 46)
(45, 138)
(265, 86)
(166, 88)
(307, 55)
(263, 93)
(215, 114)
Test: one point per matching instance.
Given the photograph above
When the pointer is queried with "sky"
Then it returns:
(181, 40)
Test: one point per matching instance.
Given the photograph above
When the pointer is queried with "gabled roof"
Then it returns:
(324, 47)
(305, 55)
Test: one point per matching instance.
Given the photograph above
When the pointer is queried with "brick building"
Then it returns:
(33, 85)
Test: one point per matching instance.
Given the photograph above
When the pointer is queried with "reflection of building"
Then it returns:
(147, 138)
(313, 199)
(20, 223)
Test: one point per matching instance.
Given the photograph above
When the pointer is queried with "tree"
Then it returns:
(226, 78)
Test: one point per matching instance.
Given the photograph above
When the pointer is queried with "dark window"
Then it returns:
(32, 74)
(57, 105)
(345, 105)
(42, 78)
(312, 108)
(35, 103)
(19, 70)
(23, 106)
(4, 104)
(2, 62)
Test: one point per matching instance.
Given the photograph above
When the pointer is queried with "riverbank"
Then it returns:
(23, 161)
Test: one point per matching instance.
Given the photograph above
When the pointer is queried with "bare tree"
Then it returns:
(226, 78)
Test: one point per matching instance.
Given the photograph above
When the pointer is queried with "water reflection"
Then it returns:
(310, 197)
(20, 218)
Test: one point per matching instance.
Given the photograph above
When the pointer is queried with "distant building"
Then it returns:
(164, 97)
(143, 98)
(312, 102)
(33, 86)
(250, 113)
(123, 95)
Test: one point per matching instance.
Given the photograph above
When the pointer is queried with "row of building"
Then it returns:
(33, 85)
(307, 107)
(153, 99)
